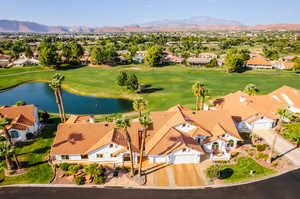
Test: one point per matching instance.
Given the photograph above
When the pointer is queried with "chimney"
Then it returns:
(243, 99)
(91, 119)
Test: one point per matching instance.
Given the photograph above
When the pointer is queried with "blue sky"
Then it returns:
(124, 12)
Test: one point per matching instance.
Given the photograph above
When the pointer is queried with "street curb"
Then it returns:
(149, 187)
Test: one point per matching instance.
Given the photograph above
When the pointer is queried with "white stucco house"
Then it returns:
(25, 121)
(258, 63)
(259, 112)
(177, 136)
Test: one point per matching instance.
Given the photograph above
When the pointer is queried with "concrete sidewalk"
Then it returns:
(282, 146)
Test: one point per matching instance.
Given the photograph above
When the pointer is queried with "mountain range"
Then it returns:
(201, 23)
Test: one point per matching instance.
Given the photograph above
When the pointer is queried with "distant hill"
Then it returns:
(25, 26)
(190, 24)
(196, 21)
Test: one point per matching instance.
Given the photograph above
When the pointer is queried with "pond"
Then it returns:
(40, 94)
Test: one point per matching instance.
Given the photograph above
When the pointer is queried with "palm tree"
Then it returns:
(251, 89)
(139, 105)
(3, 123)
(199, 90)
(145, 121)
(55, 84)
(123, 123)
(6, 150)
(284, 114)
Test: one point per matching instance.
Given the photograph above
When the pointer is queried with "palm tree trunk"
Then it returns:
(17, 161)
(142, 151)
(202, 102)
(274, 141)
(130, 151)
(273, 148)
(62, 105)
(58, 104)
(140, 113)
(197, 103)
(7, 135)
(8, 165)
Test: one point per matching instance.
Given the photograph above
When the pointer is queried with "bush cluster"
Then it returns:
(261, 147)
(130, 81)
(79, 180)
(64, 166)
(262, 156)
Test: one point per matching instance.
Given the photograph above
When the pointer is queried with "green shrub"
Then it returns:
(20, 103)
(64, 166)
(80, 180)
(99, 179)
(73, 169)
(261, 147)
(213, 171)
(262, 156)
(94, 170)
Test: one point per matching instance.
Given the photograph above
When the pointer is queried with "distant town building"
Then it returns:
(258, 63)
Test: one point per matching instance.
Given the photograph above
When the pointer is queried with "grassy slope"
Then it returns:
(174, 81)
(241, 170)
(292, 132)
(34, 156)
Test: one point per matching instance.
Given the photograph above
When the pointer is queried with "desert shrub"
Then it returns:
(94, 170)
(20, 103)
(261, 147)
(80, 180)
(64, 166)
(262, 156)
(99, 179)
(213, 171)
(73, 169)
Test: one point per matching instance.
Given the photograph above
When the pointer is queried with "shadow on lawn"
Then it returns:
(26, 164)
(148, 89)
(226, 173)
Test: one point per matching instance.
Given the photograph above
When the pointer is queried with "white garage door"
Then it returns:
(262, 125)
(184, 159)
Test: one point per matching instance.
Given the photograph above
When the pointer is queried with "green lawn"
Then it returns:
(241, 171)
(4, 71)
(170, 85)
(292, 133)
(34, 156)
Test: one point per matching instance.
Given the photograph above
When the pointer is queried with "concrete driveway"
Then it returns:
(282, 146)
(176, 175)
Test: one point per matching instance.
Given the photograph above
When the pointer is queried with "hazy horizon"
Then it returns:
(94, 13)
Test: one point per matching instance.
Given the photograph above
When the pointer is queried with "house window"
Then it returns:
(65, 157)
(14, 134)
(215, 146)
(111, 145)
(100, 155)
(199, 140)
(84, 156)
(230, 143)
(112, 155)
(184, 150)
(126, 157)
(183, 125)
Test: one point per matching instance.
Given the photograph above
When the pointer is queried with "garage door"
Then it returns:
(184, 159)
(262, 125)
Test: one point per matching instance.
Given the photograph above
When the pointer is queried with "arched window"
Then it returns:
(215, 146)
(230, 143)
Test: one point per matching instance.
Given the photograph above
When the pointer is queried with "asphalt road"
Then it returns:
(286, 186)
